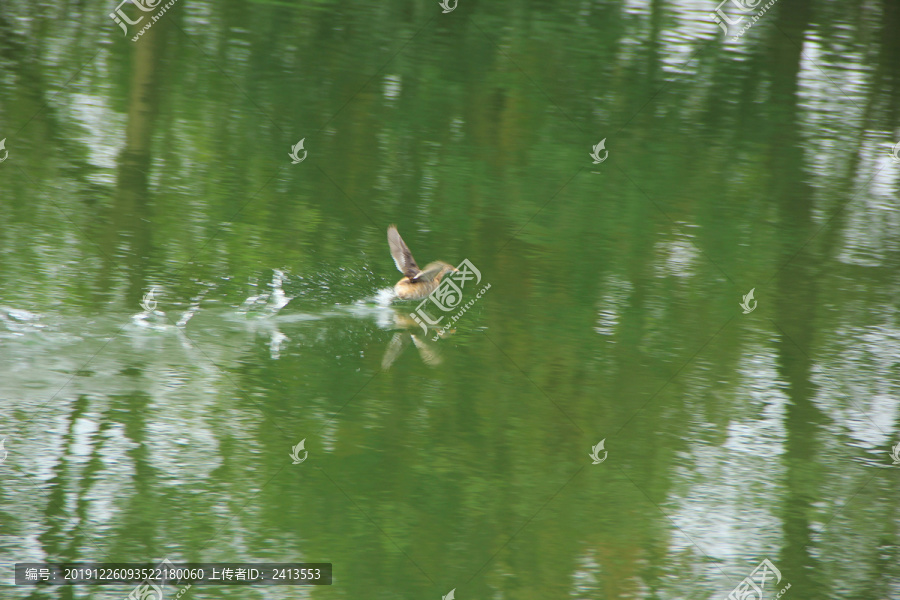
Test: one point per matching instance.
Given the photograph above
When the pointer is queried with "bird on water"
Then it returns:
(416, 283)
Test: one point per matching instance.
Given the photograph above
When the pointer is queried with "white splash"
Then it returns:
(384, 297)
(268, 303)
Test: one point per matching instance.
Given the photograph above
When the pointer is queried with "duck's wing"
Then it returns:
(429, 355)
(395, 347)
(403, 258)
(430, 272)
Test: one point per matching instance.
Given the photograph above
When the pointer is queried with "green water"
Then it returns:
(459, 461)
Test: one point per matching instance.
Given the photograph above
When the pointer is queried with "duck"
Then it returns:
(416, 283)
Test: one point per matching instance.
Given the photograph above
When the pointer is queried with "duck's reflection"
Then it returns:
(397, 319)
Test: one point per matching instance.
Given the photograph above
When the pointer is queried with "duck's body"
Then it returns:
(416, 289)
(417, 283)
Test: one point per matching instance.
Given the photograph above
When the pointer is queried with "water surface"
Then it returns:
(181, 304)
